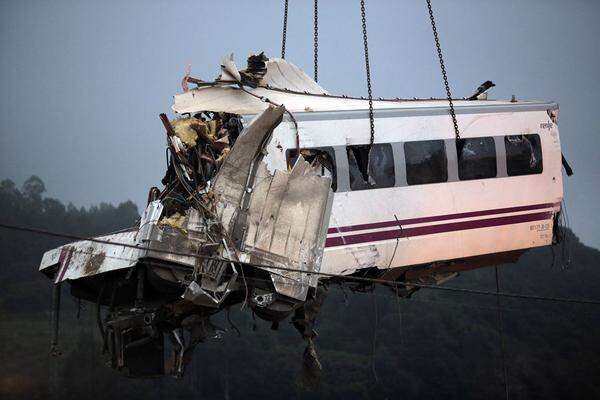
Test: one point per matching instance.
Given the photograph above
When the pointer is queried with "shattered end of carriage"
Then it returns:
(243, 220)
(198, 248)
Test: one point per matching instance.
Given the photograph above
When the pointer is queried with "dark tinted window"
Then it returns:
(325, 156)
(371, 171)
(426, 162)
(476, 158)
(523, 154)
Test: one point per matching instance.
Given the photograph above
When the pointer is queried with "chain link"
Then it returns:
(316, 40)
(443, 68)
(368, 68)
(284, 34)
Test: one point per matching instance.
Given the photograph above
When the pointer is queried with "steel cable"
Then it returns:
(368, 69)
(284, 33)
(316, 273)
(443, 68)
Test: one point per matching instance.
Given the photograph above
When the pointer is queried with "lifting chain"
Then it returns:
(316, 40)
(368, 68)
(284, 34)
(443, 68)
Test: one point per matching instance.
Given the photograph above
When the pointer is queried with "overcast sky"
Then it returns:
(83, 82)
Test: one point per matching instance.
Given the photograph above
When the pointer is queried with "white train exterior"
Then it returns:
(427, 198)
(415, 206)
(455, 213)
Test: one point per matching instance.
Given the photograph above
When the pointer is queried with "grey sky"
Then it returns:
(83, 82)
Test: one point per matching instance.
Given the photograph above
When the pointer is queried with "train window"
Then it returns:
(523, 154)
(476, 158)
(426, 162)
(371, 172)
(325, 156)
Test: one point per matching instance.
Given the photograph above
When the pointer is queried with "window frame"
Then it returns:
(388, 149)
(330, 150)
(460, 170)
(508, 156)
(444, 163)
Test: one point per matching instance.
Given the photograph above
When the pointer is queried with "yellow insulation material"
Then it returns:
(213, 129)
(175, 221)
(187, 130)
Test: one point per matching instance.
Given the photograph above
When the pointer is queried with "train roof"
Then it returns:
(284, 83)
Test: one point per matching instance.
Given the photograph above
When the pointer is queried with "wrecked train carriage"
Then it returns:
(256, 224)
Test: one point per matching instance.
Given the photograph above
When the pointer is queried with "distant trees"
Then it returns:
(33, 188)
(28, 206)
(20, 252)
(432, 345)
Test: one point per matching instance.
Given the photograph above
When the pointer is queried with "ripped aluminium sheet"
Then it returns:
(86, 258)
(230, 184)
(277, 219)
(287, 224)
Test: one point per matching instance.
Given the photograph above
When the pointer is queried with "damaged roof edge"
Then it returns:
(488, 107)
(277, 81)
(234, 100)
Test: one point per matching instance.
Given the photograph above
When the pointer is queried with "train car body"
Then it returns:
(426, 196)
(274, 185)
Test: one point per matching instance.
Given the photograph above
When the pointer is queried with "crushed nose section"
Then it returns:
(225, 229)
(221, 206)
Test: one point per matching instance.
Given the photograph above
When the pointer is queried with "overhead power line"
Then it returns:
(323, 274)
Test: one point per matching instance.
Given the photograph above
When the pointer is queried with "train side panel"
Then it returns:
(415, 224)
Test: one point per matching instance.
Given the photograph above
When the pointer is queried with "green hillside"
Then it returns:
(372, 345)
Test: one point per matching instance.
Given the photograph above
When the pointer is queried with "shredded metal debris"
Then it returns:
(220, 200)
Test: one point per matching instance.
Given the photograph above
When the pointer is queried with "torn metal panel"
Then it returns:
(230, 70)
(215, 282)
(366, 256)
(87, 258)
(149, 218)
(168, 244)
(231, 180)
(274, 73)
(285, 75)
(277, 219)
(286, 225)
(173, 238)
(211, 292)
